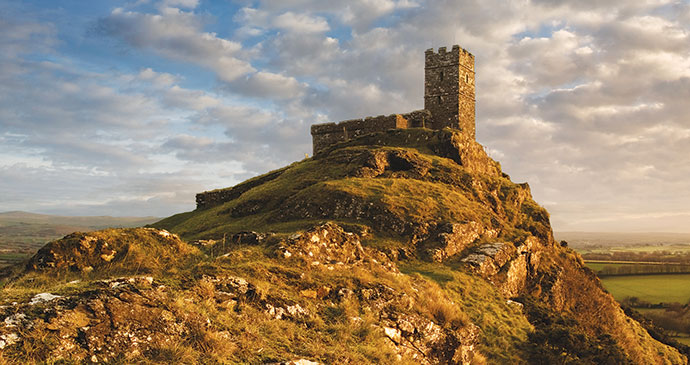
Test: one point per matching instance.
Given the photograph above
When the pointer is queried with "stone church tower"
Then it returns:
(448, 102)
(449, 88)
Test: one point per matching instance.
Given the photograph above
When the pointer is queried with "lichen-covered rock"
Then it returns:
(489, 258)
(328, 245)
(118, 318)
(428, 343)
(454, 238)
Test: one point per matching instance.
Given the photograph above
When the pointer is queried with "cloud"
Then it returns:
(268, 85)
(100, 142)
(190, 4)
(177, 34)
(181, 98)
(564, 57)
(585, 100)
(159, 79)
(300, 23)
(25, 37)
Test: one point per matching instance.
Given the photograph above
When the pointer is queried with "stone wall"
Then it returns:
(210, 199)
(328, 134)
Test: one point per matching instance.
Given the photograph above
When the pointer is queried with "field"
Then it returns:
(649, 272)
(22, 234)
(660, 288)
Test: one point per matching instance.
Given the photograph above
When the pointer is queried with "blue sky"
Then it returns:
(132, 107)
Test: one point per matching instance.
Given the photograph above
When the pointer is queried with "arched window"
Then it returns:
(438, 98)
(467, 78)
(440, 76)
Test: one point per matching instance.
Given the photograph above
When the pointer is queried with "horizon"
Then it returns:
(128, 109)
(554, 232)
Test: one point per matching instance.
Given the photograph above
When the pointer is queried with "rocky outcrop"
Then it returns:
(448, 143)
(327, 244)
(376, 163)
(489, 258)
(453, 238)
(118, 319)
(428, 343)
(85, 252)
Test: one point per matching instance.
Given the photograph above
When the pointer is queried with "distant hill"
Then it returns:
(92, 222)
(604, 239)
(23, 233)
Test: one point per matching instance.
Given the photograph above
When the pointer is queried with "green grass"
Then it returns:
(447, 193)
(504, 328)
(13, 257)
(317, 183)
(650, 288)
(134, 251)
(411, 199)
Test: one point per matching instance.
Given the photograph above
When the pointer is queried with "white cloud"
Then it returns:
(563, 57)
(190, 4)
(178, 35)
(197, 100)
(269, 85)
(300, 23)
(159, 79)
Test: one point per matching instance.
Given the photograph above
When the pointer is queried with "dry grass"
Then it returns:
(434, 301)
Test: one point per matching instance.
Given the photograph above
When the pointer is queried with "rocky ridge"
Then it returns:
(406, 246)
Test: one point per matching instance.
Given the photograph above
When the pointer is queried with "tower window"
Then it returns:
(440, 76)
(438, 98)
(467, 78)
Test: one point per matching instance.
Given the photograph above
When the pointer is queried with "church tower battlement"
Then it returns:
(449, 89)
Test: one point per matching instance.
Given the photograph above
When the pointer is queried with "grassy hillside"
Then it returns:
(395, 189)
(404, 247)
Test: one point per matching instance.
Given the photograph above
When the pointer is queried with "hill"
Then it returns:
(23, 233)
(92, 222)
(405, 246)
(589, 240)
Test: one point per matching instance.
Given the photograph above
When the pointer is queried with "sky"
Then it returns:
(130, 108)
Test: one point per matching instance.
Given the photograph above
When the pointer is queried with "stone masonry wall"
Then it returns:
(210, 199)
(449, 92)
(325, 135)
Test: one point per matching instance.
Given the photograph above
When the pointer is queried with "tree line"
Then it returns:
(640, 256)
(641, 269)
